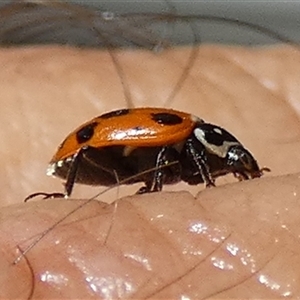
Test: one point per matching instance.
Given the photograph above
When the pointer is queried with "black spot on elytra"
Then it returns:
(166, 118)
(212, 135)
(85, 134)
(115, 113)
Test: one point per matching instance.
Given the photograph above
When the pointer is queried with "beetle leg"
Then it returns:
(144, 189)
(240, 176)
(157, 182)
(45, 196)
(199, 159)
(243, 176)
(69, 184)
(71, 177)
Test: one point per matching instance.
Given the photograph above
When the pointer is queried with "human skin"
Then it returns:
(237, 240)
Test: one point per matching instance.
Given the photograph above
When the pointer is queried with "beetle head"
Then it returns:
(242, 163)
(224, 146)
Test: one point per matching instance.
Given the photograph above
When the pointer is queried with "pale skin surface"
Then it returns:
(238, 240)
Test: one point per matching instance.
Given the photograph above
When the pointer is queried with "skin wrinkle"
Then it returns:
(119, 258)
(273, 76)
(154, 229)
(275, 253)
(247, 278)
(251, 193)
(278, 94)
(189, 271)
(253, 77)
(159, 234)
(221, 90)
(114, 216)
(177, 279)
(43, 234)
(273, 94)
(164, 237)
(224, 90)
(241, 112)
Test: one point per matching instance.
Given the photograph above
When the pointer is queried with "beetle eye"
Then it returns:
(86, 133)
(242, 159)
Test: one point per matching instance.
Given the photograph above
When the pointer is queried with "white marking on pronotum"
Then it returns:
(220, 151)
(218, 131)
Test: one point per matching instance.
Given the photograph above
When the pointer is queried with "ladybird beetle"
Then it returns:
(174, 145)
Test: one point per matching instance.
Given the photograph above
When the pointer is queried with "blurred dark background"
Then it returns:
(129, 23)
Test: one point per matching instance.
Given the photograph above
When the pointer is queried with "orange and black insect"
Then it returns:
(127, 142)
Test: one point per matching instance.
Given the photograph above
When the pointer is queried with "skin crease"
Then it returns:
(238, 240)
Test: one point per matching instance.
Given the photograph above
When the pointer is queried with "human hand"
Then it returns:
(235, 240)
